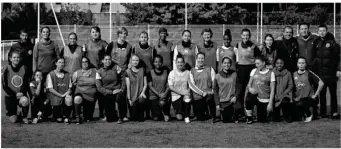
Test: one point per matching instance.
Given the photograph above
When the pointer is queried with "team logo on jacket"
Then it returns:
(17, 81)
(327, 45)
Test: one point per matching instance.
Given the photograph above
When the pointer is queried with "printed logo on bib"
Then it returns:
(186, 51)
(61, 84)
(17, 81)
(299, 85)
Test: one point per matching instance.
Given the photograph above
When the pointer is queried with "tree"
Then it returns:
(17, 16)
(154, 13)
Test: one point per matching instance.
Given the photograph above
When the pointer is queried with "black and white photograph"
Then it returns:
(182, 74)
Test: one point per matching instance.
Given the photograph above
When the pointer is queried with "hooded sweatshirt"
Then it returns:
(284, 85)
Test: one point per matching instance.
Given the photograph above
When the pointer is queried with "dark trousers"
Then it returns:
(332, 85)
(243, 77)
(88, 109)
(121, 100)
(57, 111)
(37, 105)
(137, 110)
(302, 107)
(11, 103)
(227, 112)
(159, 110)
(101, 105)
(199, 106)
(285, 106)
(109, 107)
(262, 114)
(148, 108)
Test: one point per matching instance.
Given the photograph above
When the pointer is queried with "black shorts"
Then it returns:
(11, 105)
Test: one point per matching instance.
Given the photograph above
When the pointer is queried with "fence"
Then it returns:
(174, 32)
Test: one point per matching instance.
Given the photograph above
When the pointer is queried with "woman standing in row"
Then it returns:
(245, 56)
(186, 49)
(227, 50)
(209, 48)
(45, 53)
(72, 54)
(164, 49)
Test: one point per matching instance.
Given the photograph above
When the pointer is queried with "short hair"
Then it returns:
(159, 57)
(303, 23)
(23, 31)
(289, 27)
(73, 33)
(323, 25)
(206, 30)
(246, 30)
(96, 28)
(228, 33)
(144, 32)
(121, 30)
(183, 32)
(41, 30)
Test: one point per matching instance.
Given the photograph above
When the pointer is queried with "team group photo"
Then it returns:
(198, 75)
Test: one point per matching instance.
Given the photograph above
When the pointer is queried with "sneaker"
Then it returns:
(166, 118)
(308, 118)
(119, 121)
(125, 119)
(66, 120)
(187, 120)
(288, 120)
(249, 120)
(213, 120)
(59, 120)
(35, 121)
(25, 120)
(104, 119)
(78, 120)
(335, 116)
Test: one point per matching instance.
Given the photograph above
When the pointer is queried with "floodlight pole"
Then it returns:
(55, 17)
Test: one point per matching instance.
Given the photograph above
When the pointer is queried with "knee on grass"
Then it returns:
(78, 100)
(23, 101)
(13, 119)
(179, 117)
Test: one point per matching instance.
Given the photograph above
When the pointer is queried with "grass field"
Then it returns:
(320, 133)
